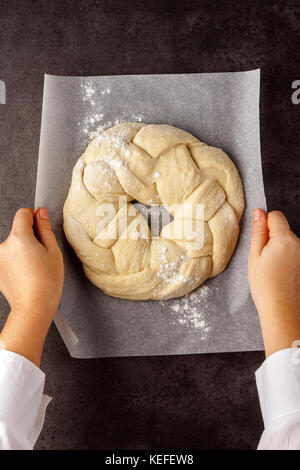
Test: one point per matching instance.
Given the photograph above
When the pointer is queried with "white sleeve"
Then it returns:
(278, 385)
(22, 403)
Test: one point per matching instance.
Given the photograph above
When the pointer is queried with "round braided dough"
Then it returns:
(152, 164)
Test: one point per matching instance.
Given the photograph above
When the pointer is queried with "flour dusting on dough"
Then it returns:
(151, 165)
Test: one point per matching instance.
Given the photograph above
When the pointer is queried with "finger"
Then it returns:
(278, 224)
(260, 232)
(44, 230)
(23, 221)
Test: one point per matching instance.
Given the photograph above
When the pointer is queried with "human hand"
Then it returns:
(31, 275)
(274, 278)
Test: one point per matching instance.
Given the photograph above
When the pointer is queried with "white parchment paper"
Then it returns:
(221, 109)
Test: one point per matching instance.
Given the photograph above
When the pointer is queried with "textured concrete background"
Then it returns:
(185, 402)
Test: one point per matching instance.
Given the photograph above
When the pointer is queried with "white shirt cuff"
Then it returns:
(22, 403)
(278, 385)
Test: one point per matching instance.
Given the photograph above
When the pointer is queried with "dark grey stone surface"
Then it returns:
(184, 402)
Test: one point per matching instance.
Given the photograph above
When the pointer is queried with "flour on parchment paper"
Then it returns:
(94, 121)
(192, 311)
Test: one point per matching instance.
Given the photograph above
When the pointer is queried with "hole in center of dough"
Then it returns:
(155, 215)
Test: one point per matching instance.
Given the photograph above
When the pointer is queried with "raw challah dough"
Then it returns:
(151, 164)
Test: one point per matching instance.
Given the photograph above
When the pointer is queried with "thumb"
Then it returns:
(23, 221)
(44, 230)
(260, 232)
(278, 224)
